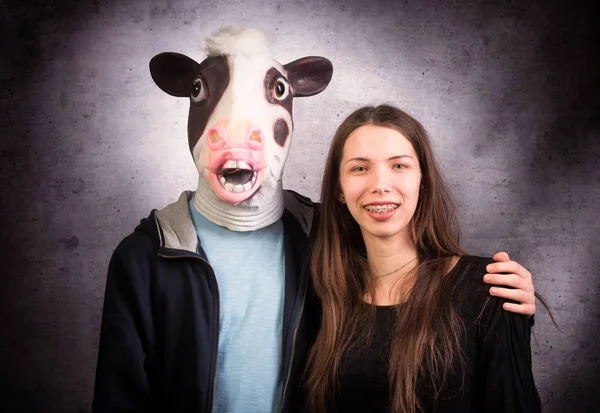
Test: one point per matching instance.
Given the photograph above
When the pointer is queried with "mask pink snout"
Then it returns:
(225, 135)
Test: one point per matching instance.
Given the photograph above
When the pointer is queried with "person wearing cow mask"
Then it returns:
(208, 304)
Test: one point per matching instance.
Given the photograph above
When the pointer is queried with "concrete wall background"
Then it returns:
(89, 145)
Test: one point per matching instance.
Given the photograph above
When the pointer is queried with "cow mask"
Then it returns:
(240, 122)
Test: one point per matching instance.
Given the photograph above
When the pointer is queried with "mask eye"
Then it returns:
(198, 93)
(281, 88)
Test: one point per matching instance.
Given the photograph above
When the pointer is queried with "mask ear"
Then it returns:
(309, 75)
(174, 73)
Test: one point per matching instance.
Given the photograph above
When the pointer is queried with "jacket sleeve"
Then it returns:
(121, 381)
(504, 377)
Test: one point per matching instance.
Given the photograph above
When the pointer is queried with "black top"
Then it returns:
(498, 356)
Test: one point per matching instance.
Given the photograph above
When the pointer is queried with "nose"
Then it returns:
(380, 182)
(242, 134)
(381, 190)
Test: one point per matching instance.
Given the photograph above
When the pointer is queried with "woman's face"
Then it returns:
(380, 179)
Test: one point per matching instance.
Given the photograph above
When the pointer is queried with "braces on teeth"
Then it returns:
(380, 209)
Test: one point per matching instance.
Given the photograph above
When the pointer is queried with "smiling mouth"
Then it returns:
(237, 176)
(381, 209)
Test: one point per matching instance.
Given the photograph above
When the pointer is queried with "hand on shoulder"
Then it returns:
(507, 273)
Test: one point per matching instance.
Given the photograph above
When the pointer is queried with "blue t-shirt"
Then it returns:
(250, 271)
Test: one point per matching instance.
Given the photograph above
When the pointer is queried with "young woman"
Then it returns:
(408, 324)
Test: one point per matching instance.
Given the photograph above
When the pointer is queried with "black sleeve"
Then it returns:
(121, 381)
(504, 376)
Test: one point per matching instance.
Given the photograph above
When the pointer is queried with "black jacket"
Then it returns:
(159, 334)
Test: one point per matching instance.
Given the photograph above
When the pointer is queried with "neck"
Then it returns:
(387, 254)
(263, 209)
(387, 257)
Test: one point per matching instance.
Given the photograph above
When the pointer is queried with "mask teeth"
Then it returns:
(231, 164)
(229, 187)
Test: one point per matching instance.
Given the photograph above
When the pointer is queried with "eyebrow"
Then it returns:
(393, 158)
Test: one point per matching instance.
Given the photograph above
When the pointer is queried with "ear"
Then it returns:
(174, 73)
(309, 75)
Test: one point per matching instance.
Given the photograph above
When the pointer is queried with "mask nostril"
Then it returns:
(255, 140)
(216, 137)
(255, 136)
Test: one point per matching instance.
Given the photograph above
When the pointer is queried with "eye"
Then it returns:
(198, 93)
(399, 166)
(281, 88)
(359, 169)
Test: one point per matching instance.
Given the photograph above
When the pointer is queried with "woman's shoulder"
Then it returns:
(472, 295)
(469, 271)
(469, 291)
(474, 262)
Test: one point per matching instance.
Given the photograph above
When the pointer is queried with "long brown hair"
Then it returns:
(426, 342)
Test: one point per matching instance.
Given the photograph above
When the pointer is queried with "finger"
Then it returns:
(520, 296)
(509, 280)
(526, 309)
(509, 267)
(501, 256)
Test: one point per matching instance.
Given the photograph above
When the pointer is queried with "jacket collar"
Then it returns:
(175, 227)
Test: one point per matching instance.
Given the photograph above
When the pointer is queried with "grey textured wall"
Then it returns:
(88, 145)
